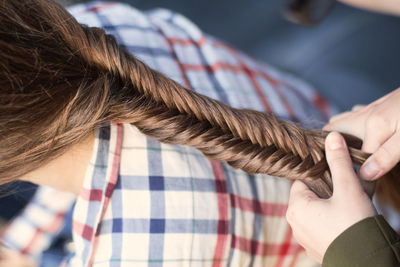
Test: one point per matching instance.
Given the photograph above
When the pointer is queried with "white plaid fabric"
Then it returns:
(145, 203)
(35, 228)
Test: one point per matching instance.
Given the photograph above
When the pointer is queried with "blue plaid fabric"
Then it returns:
(145, 203)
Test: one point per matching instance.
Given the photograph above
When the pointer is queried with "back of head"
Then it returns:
(50, 97)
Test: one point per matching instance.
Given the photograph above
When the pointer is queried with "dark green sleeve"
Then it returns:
(368, 243)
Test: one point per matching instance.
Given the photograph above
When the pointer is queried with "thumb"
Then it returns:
(337, 155)
(383, 159)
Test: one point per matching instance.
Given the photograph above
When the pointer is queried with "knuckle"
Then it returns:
(384, 158)
(327, 127)
(308, 198)
(376, 121)
(332, 119)
(357, 107)
(338, 117)
(295, 235)
(386, 153)
(290, 215)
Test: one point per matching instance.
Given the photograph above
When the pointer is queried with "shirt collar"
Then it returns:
(98, 185)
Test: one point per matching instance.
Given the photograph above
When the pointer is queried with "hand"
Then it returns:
(387, 6)
(378, 124)
(13, 258)
(317, 222)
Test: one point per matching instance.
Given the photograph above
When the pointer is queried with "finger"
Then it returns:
(382, 160)
(350, 124)
(299, 194)
(340, 164)
(377, 131)
(301, 190)
(339, 116)
(300, 197)
(357, 107)
(327, 127)
(298, 187)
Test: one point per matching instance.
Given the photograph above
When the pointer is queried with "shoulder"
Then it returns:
(171, 44)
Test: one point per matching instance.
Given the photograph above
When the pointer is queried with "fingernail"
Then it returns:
(369, 170)
(335, 141)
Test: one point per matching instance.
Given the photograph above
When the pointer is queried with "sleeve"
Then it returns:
(370, 242)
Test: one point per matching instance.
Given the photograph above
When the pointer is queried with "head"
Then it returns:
(60, 81)
(51, 96)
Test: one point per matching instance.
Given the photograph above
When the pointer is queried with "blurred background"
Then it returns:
(352, 57)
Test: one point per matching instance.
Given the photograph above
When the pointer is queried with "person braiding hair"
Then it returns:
(76, 78)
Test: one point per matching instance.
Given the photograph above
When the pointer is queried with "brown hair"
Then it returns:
(60, 81)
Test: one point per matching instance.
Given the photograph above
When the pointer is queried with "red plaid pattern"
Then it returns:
(144, 203)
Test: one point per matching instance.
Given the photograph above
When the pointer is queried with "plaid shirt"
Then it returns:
(148, 203)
